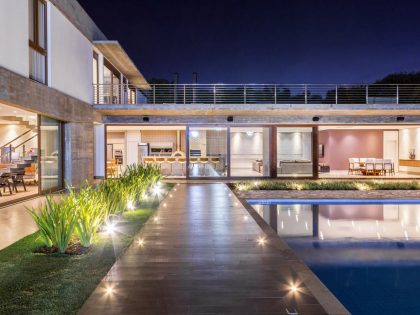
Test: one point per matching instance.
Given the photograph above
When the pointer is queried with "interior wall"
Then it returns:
(294, 146)
(216, 142)
(340, 145)
(150, 136)
(245, 149)
(10, 132)
(409, 139)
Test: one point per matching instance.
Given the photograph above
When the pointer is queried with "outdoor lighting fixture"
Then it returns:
(315, 118)
(249, 133)
(194, 134)
(261, 241)
(140, 242)
(155, 219)
(170, 196)
(110, 228)
(245, 218)
(400, 118)
(109, 290)
(156, 190)
(146, 118)
(165, 205)
(230, 195)
(294, 288)
(230, 118)
(130, 205)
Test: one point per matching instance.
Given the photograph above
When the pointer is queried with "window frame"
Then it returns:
(35, 44)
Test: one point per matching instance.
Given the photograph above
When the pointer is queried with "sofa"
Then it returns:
(295, 167)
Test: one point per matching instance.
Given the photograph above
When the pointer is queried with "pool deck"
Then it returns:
(201, 256)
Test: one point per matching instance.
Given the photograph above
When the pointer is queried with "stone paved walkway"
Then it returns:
(201, 256)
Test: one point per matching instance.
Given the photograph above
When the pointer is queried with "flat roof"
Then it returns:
(114, 53)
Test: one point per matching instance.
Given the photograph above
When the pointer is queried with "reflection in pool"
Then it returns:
(366, 253)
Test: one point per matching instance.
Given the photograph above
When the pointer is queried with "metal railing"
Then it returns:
(257, 94)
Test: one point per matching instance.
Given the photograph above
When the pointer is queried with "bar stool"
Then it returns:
(214, 161)
(148, 160)
(182, 161)
(204, 161)
(171, 161)
(193, 162)
(159, 161)
(389, 167)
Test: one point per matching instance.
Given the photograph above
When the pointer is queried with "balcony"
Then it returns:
(254, 94)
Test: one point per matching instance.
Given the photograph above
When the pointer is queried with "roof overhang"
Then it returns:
(114, 53)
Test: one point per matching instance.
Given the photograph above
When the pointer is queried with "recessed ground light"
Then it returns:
(315, 118)
(400, 118)
(145, 118)
(230, 118)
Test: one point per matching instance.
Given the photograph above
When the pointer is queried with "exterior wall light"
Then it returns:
(146, 118)
(230, 118)
(400, 118)
(315, 118)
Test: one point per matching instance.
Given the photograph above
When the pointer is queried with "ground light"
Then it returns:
(261, 241)
(140, 242)
(110, 228)
(130, 205)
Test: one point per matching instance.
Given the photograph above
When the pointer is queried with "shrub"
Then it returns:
(56, 222)
(91, 211)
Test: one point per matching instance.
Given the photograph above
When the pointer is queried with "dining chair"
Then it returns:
(203, 162)
(370, 166)
(379, 166)
(5, 183)
(389, 167)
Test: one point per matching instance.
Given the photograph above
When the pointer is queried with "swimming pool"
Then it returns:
(367, 252)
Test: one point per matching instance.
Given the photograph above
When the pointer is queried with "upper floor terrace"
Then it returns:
(259, 99)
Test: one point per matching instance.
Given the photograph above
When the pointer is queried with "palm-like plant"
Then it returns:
(91, 212)
(56, 222)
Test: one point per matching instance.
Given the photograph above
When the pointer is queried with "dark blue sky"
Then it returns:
(265, 41)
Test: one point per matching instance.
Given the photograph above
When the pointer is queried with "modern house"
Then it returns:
(74, 107)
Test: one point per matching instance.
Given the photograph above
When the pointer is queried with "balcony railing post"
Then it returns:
(244, 94)
(367, 94)
(154, 94)
(336, 94)
(184, 93)
(398, 94)
(275, 94)
(306, 94)
(214, 94)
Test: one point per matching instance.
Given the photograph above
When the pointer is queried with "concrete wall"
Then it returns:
(340, 145)
(70, 56)
(14, 36)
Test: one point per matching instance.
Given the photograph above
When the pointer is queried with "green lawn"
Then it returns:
(59, 284)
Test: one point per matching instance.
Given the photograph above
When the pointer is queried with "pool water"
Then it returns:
(366, 253)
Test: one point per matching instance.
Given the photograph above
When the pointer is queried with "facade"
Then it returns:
(74, 107)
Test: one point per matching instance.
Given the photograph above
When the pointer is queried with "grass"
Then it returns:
(327, 185)
(59, 284)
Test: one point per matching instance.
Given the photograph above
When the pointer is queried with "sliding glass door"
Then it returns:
(208, 152)
(51, 154)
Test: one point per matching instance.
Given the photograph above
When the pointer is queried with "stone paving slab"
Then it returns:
(201, 256)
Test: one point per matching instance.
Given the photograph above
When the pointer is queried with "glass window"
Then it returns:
(208, 152)
(51, 154)
(37, 41)
(294, 152)
(249, 151)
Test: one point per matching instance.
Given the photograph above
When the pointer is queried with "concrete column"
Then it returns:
(78, 153)
(99, 155)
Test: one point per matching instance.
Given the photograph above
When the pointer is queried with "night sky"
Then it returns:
(262, 41)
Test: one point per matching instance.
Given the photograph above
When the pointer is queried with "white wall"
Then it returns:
(294, 146)
(70, 58)
(99, 154)
(409, 139)
(14, 36)
(132, 138)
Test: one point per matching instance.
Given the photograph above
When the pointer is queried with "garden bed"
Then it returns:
(321, 184)
(54, 283)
